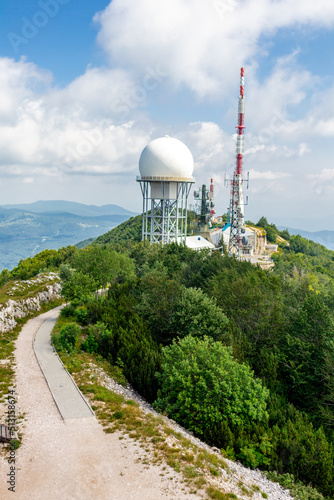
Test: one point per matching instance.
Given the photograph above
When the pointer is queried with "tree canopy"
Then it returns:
(202, 385)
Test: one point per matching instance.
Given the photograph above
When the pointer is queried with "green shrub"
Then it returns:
(80, 315)
(68, 311)
(202, 385)
(68, 337)
(90, 344)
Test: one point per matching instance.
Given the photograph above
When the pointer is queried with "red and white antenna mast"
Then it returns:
(236, 210)
(212, 204)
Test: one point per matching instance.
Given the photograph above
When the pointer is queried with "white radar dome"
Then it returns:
(166, 157)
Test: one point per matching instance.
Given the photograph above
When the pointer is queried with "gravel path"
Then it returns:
(229, 482)
(75, 460)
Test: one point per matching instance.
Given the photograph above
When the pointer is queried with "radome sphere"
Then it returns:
(166, 157)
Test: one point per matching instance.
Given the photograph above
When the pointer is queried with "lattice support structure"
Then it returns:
(164, 210)
(236, 209)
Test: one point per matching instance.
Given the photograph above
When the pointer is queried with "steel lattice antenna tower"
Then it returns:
(236, 210)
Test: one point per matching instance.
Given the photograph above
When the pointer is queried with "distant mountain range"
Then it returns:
(26, 229)
(325, 238)
(70, 207)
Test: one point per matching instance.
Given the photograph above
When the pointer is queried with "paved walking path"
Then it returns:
(74, 459)
(68, 398)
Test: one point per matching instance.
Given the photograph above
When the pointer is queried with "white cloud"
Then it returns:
(28, 180)
(193, 44)
(326, 174)
(269, 175)
(97, 126)
(19, 82)
(74, 130)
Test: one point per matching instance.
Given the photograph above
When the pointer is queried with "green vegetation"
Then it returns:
(202, 386)
(47, 260)
(241, 356)
(130, 230)
(68, 337)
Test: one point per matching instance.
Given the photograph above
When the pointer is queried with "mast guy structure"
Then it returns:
(236, 209)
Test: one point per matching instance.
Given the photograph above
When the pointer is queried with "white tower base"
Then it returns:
(164, 210)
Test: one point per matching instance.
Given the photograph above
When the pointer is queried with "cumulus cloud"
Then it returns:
(323, 182)
(19, 82)
(269, 175)
(210, 145)
(98, 124)
(47, 131)
(194, 41)
(326, 174)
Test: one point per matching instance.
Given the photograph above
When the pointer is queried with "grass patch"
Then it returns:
(19, 289)
(297, 489)
(244, 490)
(190, 472)
(219, 495)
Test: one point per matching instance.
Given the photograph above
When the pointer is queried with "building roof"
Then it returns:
(198, 243)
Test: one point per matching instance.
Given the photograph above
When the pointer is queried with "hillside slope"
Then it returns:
(24, 233)
(130, 230)
(325, 238)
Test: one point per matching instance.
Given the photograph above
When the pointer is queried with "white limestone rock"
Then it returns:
(13, 310)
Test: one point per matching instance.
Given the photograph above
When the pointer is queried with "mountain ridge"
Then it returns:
(23, 233)
(72, 207)
(324, 237)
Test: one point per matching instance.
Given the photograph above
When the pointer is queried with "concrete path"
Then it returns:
(68, 398)
(74, 459)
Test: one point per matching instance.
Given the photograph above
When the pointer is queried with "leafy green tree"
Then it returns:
(159, 294)
(65, 272)
(5, 276)
(47, 260)
(285, 234)
(77, 286)
(202, 385)
(197, 314)
(307, 355)
(100, 340)
(253, 300)
(271, 234)
(301, 245)
(104, 265)
(262, 222)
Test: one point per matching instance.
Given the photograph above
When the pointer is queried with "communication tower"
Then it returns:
(166, 166)
(204, 204)
(236, 209)
(212, 204)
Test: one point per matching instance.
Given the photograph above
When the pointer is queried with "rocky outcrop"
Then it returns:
(14, 309)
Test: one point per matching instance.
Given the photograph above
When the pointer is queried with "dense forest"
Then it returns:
(242, 357)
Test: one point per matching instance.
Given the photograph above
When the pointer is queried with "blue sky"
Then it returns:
(84, 86)
(65, 44)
